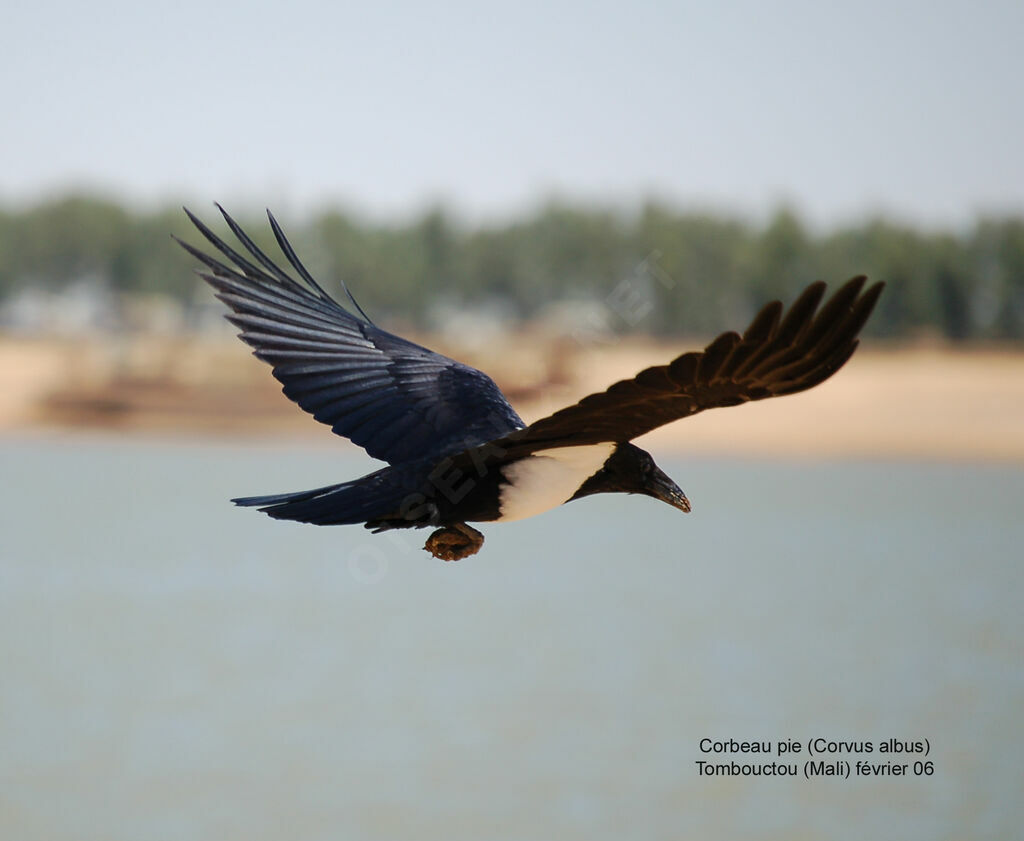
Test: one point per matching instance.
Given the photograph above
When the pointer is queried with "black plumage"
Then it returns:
(457, 451)
(395, 399)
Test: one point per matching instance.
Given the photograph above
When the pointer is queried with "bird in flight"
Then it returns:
(457, 452)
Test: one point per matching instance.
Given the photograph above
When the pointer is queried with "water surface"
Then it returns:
(173, 667)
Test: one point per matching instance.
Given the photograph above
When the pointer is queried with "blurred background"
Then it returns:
(559, 195)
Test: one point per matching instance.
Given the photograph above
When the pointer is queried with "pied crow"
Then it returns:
(457, 452)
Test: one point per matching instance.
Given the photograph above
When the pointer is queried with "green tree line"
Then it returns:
(658, 269)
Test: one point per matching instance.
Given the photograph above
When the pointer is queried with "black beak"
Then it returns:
(661, 487)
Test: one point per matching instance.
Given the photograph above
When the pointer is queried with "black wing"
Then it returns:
(396, 399)
(775, 356)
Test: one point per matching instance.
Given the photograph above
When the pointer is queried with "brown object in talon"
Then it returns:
(453, 543)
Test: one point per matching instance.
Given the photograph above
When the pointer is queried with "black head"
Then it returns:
(633, 471)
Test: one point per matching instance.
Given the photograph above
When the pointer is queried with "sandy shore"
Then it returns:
(924, 403)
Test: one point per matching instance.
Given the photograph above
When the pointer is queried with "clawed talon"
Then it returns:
(453, 543)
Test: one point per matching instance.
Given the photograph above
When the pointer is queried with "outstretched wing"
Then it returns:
(396, 399)
(776, 355)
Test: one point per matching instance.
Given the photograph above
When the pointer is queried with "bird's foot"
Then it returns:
(455, 542)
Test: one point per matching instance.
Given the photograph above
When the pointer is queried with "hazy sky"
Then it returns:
(912, 108)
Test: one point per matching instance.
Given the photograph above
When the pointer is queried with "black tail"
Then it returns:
(359, 501)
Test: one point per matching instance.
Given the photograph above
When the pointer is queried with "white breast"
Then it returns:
(543, 481)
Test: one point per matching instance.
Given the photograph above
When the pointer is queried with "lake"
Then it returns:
(173, 667)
